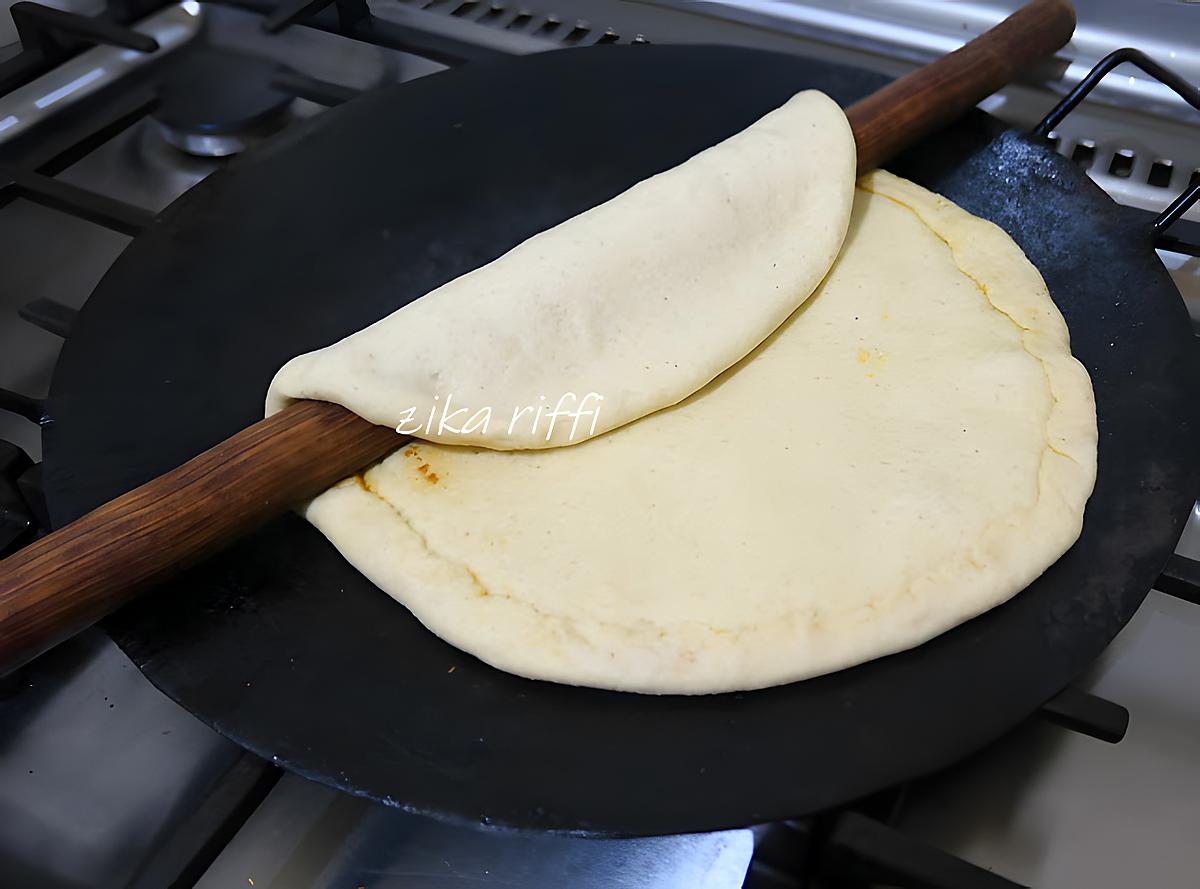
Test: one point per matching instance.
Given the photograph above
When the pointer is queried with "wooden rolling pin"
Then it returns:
(73, 577)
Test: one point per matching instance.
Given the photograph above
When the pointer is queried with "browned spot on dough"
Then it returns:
(361, 481)
(478, 583)
(431, 477)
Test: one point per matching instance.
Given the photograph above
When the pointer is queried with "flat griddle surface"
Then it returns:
(279, 644)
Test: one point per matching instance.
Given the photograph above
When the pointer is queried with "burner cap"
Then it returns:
(217, 103)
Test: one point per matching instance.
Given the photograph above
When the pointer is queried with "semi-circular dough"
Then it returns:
(641, 300)
(912, 447)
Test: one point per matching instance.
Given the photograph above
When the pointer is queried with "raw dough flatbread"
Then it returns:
(641, 300)
(911, 448)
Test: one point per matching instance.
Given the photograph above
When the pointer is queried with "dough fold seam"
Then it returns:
(983, 291)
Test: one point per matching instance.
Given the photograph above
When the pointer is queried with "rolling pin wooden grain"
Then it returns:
(73, 577)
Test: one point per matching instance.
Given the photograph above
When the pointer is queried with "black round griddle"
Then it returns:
(282, 646)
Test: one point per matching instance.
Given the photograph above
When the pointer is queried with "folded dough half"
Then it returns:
(641, 300)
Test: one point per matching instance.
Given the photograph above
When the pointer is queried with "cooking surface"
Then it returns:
(476, 744)
(135, 165)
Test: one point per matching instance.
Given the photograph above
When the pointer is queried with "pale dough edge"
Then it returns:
(692, 659)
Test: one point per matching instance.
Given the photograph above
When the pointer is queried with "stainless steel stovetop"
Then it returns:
(104, 782)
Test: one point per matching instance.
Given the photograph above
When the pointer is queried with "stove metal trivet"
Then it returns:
(854, 846)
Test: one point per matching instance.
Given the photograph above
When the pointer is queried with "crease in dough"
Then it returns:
(864, 185)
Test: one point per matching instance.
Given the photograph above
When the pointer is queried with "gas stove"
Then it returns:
(108, 113)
